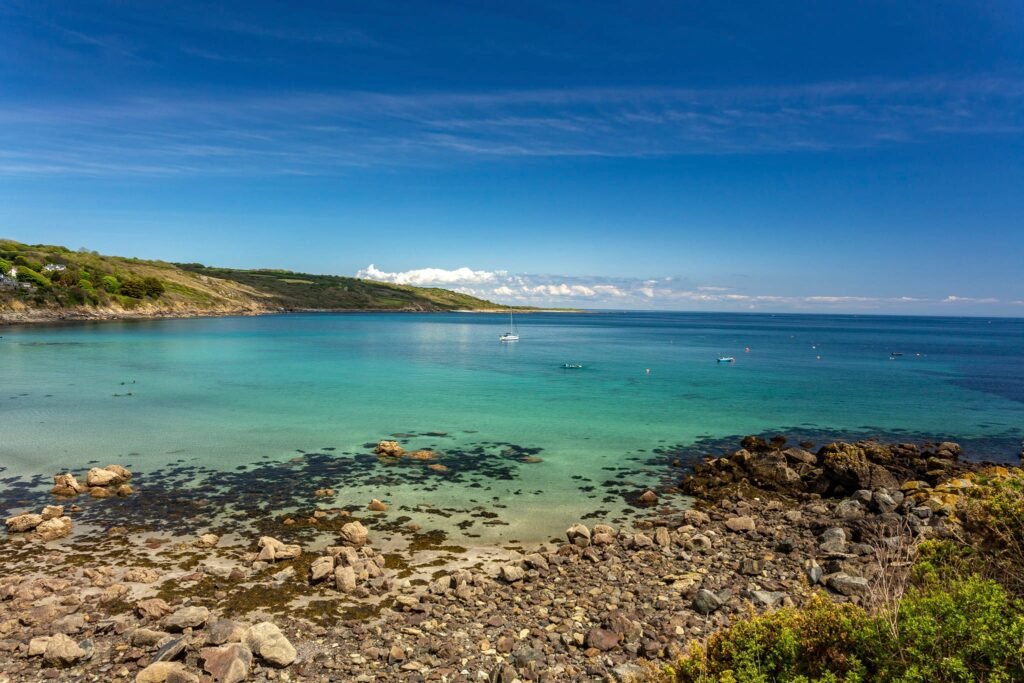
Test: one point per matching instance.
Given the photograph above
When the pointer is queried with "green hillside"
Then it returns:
(58, 281)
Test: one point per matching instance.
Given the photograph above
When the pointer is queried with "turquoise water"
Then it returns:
(223, 393)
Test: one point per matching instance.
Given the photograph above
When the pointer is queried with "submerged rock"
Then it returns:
(54, 528)
(390, 449)
(377, 506)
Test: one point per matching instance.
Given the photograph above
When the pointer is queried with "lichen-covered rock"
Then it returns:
(22, 523)
(67, 485)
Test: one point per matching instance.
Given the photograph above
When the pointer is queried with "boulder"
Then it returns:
(152, 608)
(354, 534)
(648, 497)
(160, 672)
(345, 578)
(706, 602)
(377, 506)
(390, 449)
(54, 528)
(847, 467)
(273, 550)
(22, 523)
(121, 472)
(99, 476)
(510, 573)
(67, 485)
(847, 585)
(578, 535)
(186, 617)
(602, 639)
(321, 568)
(208, 541)
(741, 523)
(267, 642)
(63, 651)
(228, 663)
(52, 512)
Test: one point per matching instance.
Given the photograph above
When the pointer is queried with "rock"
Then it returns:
(273, 550)
(696, 517)
(345, 579)
(834, 534)
(67, 485)
(883, 502)
(268, 643)
(847, 467)
(662, 537)
(799, 455)
(536, 561)
(706, 602)
(511, 573)
(377, 506)
(354, 534)
(813, 571)
(52, 512)
(228, 663)
(208, 541)
(740, 523)
(389, 449)
(847, 585)
(767, 599)
(100, 492)
(37, 646)
(699, 543)
(648, 497)
(122, 472)
(98, 476)
(54, 528)
(423, 455)
(225, 631)
(437, 467)
(321, 568)
(152, 608)
(146, 637)
(849, 509)
(22, 523)
(63, 651)
(578, 535)
(602, 639)
(186, 617)
(182, 676)
(160, 672)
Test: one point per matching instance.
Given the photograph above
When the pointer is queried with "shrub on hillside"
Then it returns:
(153, 287)
(967, 630)
(26, 274)
(134, 288)
(110, 283)
(993, 514)
(5, 266)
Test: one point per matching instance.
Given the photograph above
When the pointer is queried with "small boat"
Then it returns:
(573, 366)
(726, 359)
(895, 354)
(513, 334)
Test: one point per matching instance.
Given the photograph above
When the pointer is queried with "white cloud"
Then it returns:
(665, 293)
(429, 277)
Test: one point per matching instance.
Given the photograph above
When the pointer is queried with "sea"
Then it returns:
(278, 414)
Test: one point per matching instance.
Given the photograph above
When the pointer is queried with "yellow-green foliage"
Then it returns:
(994, 516)
(965, 630)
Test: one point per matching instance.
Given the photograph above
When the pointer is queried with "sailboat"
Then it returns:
(512, 334)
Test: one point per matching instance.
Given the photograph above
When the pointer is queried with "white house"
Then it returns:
(53, 268)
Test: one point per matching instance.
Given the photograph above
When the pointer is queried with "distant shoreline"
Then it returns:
(79, 315)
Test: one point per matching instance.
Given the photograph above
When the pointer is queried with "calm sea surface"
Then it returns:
(217, 395)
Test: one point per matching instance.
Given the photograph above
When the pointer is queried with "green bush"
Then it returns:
(22, 261)
(26, 274)
(110, 283)
(153, 287)
(994, 515)
(133, 287)
(5, 266)
(967, 630)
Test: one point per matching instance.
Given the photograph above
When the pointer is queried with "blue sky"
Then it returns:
(781, 156)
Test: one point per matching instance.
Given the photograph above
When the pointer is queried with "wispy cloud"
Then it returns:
(661, 293)
(303, 133)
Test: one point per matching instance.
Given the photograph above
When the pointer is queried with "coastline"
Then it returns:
(39, 316)
(359, 593)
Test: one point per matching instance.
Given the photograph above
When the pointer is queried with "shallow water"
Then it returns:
(208, 396)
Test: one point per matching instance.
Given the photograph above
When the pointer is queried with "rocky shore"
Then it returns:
(770, 525)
